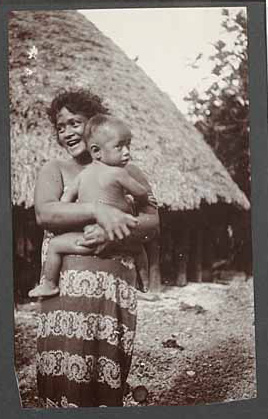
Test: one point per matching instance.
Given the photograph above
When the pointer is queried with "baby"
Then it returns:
(105, 180)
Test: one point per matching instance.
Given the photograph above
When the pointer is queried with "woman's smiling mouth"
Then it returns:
(72, 143)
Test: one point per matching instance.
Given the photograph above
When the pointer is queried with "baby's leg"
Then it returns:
(58, 246)
(143, 270)
(62, 245)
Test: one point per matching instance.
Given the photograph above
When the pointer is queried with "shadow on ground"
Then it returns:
(221, 374)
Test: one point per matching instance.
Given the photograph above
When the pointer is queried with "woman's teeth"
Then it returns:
(72, 143)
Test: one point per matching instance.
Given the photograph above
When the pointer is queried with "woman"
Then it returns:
(86, 334)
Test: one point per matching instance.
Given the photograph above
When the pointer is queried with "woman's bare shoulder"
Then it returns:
(51, 164)
(55, 165)
(49, 184)
(50, 172)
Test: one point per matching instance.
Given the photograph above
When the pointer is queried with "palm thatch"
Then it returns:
(70, 50)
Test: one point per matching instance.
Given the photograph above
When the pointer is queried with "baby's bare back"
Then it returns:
(99, 183)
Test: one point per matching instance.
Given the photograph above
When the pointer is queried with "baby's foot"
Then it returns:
(45, 289)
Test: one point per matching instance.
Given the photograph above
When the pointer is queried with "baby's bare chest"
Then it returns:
(98, 185)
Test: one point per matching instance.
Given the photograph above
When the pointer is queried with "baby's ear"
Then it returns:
(95, 151)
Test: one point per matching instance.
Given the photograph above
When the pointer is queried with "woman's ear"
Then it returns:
(95, 151)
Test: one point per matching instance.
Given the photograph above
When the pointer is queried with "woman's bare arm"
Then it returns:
(50, 212)
(147, 230)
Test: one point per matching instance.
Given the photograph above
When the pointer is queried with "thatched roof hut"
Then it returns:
(53, 49)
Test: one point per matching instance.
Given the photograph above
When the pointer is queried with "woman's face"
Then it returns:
(70, 129)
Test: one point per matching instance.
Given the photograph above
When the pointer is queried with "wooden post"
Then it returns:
(182, 256)
(196, 260)
(181, 278)
(208, 256)
(153, 253)
(166, 245)
(199, 249)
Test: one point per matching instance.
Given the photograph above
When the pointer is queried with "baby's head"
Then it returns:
(108, 140)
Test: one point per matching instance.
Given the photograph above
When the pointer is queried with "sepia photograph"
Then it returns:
(144, 297)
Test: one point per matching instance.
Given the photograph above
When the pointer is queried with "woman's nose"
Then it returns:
(68, 133)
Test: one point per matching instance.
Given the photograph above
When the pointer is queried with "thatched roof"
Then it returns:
(71, 51)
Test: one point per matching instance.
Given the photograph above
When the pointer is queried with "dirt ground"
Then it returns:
(194, 345)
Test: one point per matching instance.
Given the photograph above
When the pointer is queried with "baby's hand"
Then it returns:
(94, 235)
(81, 242)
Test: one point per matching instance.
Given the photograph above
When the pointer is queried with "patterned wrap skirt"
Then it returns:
(85, 335)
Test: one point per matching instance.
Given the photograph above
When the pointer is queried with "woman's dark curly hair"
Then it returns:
(78, 101)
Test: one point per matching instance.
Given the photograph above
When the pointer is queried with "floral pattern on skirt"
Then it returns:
(85, 335)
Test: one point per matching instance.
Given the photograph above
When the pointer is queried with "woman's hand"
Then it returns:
(116, 223)
(96, 238)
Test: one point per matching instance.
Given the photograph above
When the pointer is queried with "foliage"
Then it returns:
(221, 113)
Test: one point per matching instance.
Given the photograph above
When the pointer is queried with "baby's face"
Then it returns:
(115, 144)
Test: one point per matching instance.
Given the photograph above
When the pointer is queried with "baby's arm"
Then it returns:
(132, 186)
(139, 176)
(71, 193)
